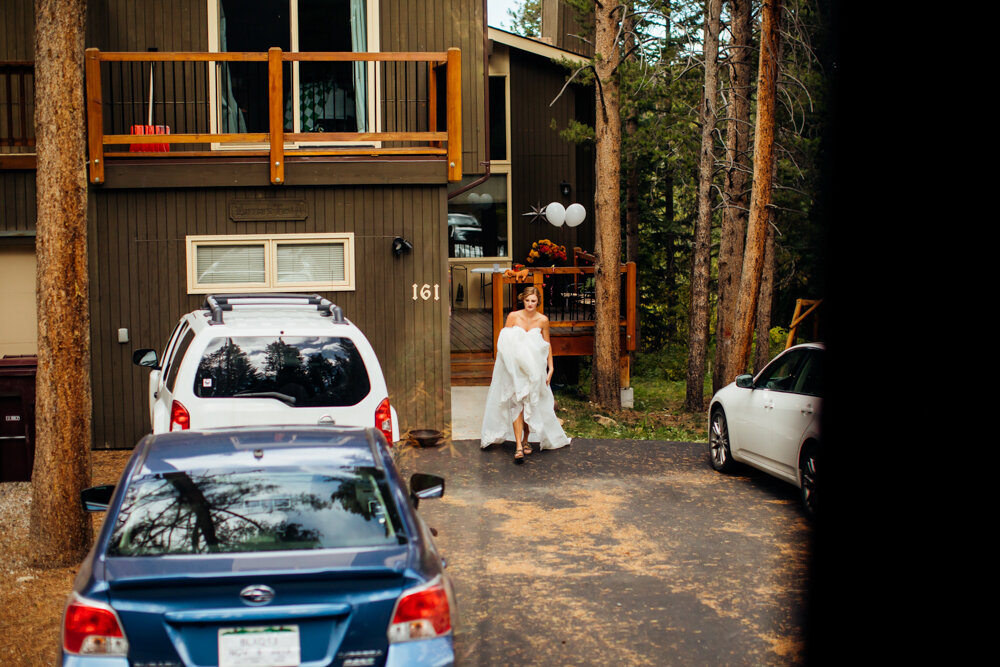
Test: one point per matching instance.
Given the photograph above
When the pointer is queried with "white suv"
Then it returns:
(267, 359)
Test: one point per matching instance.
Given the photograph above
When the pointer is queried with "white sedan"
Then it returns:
(772, 421)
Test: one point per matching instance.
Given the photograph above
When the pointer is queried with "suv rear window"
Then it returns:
(315, 371)
(274, 509)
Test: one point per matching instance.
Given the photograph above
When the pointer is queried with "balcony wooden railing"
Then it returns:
(17, 99)
(428, 141)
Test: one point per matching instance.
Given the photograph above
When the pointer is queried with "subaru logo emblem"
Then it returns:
(257, 595)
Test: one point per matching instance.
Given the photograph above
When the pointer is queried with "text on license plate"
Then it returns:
(270, 646)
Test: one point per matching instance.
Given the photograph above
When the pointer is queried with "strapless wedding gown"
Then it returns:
(519, 384)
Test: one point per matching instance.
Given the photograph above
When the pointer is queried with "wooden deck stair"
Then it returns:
(471, 369)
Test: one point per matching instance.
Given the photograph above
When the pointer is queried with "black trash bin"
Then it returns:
(17, 417)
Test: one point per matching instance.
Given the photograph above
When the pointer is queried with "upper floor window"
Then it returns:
(318, 96)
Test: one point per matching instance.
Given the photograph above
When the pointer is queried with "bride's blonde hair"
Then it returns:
(528, 291)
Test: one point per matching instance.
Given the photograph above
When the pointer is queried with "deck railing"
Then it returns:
(569, 302)
(407, 101)
(17, 103)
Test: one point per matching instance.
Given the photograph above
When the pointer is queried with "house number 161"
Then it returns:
(425, 292)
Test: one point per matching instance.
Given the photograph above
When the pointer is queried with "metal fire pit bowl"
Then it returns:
(426, 437)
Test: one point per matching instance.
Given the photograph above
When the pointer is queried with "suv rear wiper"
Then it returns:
(284, 398)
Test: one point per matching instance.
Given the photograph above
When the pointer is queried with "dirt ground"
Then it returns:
(31, 600)
(560, 561)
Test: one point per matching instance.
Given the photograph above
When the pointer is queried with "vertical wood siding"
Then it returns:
(138, 282)
(17, 202)
(422, 25)
(540, 159)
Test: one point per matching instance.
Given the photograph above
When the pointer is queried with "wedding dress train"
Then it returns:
(519, 384)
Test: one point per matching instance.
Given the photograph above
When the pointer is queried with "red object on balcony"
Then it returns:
(150, 148)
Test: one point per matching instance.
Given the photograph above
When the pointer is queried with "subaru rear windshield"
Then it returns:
(302, 371)
(228, 511)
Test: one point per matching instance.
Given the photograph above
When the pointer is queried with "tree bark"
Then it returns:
(763, 350)
(760, 195)
(60, 530)
(735, 195)
(605, 378)
(701, 253)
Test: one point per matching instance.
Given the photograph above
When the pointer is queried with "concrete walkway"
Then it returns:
(467, 412)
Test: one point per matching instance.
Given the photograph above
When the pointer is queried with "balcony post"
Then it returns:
(454, 112)
(631, 307)
(95, 115)
(276, 116)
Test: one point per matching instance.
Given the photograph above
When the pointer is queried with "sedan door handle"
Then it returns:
(769, 405)
(808, 409)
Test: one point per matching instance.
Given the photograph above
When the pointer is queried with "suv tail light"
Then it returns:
(180, 418)
(90, 628)
(421, 613)
(383, 419)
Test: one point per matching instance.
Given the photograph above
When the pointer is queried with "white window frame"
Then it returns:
(270, 242)
(374, 46)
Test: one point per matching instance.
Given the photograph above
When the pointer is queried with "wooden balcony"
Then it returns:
(408, 91)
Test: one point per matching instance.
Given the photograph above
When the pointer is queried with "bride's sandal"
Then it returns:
(519, 454)
(526, 447)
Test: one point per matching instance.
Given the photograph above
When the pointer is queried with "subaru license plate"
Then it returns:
(271, 646)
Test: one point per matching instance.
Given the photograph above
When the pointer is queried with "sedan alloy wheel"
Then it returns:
(718, 442)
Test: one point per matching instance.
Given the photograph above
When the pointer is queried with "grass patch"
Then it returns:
(658, 413)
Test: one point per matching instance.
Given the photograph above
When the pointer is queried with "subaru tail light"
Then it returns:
(91, 628)
(383, 419)
(421, 613)
(180, 418)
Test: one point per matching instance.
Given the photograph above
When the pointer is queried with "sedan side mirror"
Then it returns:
(97, 498)
(425, 486)
(744, 381)
(145, 357)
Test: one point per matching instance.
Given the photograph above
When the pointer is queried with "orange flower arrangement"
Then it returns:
(545, 251)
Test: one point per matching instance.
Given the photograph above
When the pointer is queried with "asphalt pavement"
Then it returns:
(617, 552)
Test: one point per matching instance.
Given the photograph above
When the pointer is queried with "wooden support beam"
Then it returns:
(454, 111)
(276, 116)
(630, 307)
(95, 116)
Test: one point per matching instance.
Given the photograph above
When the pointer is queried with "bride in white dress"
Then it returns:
(520, 404)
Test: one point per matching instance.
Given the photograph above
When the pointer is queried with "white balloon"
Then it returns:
(473, 197)
(555, 213)
(486, 199)
(575, 214)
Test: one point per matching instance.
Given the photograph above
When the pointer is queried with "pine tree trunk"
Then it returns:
(605, 379)
(763, 350)
(60, 530)
(702, 252)
(760, 194)
(735, 195)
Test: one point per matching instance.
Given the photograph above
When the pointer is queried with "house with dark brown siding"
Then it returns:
(225, 133)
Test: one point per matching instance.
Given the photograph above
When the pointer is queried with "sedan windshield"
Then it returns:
(222, 511)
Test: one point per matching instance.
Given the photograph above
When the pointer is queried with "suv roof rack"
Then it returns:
(217, 303)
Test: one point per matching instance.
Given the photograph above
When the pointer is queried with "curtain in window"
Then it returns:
(217, 264)
(359, 43)
(310, 262)
(231, 118)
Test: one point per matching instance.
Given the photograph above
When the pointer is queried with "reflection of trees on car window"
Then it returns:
(315, 370)
(228, 369)
(182, 513)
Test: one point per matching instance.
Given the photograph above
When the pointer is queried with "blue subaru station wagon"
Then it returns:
(261, 547)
